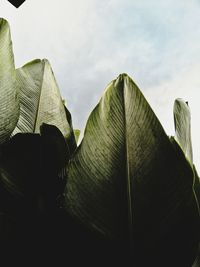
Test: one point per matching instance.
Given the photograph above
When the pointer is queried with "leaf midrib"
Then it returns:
(129, 200)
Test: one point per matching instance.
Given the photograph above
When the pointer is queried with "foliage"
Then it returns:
(127, 193)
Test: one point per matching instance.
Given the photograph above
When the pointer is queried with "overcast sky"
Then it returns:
(89, 42)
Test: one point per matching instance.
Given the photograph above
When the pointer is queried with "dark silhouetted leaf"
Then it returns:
(70, 137)
(30, 164)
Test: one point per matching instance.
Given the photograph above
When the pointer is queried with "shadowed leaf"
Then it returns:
(29, 188)
(70, 137)
(29, 167)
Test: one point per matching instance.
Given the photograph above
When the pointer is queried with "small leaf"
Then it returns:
(182, 121)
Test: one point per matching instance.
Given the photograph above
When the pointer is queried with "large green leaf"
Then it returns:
(182, 121)
(131, 184)
(9, 103)
(40, 99)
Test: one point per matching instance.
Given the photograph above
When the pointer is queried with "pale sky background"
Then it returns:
(90, 42)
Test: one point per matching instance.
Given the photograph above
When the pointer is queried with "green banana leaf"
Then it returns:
(129, 183)
(40, 99)
(9, 112)
(182, 121)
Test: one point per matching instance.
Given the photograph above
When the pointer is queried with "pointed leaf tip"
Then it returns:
(182, 122)
(40, 98)
(3, 22)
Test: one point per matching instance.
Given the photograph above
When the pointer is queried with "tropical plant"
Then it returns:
(127, 193)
